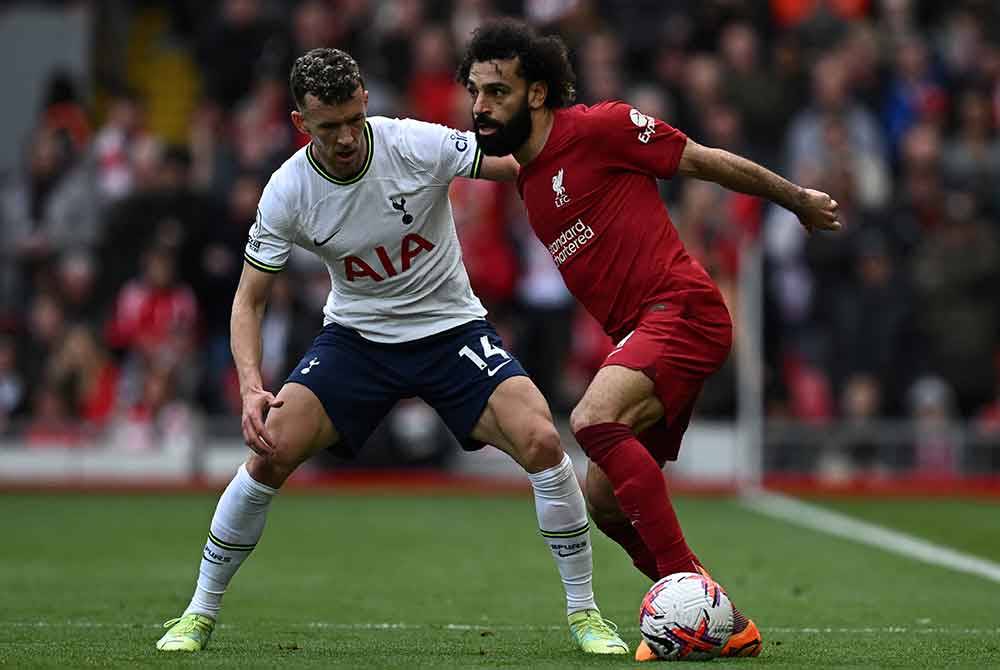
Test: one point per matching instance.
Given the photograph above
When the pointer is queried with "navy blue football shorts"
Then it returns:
(358, 381)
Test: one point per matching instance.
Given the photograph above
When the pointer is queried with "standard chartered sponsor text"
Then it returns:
(570, 241)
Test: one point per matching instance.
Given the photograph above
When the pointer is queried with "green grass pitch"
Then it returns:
(395, 581)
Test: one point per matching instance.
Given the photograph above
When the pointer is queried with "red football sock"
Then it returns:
(641, 492)
(624, 533)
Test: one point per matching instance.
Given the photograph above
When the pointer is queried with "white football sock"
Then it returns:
(236, 527)
(562, 521)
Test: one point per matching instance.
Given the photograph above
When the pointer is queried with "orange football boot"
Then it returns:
(643, 653)
(745, 643)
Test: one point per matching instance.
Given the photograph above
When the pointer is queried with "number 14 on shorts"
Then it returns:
(489, 351)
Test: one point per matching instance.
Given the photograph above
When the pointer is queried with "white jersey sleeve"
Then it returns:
(441, 152)
(271, 237)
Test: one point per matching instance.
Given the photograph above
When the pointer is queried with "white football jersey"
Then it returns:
(386, 235)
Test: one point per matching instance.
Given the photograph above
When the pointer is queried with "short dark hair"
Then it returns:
(331, 75)
(541, 58)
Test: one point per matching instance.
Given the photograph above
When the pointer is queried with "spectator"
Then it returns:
(432, 92)
(164, 210)
(546, 321)
(788, 13)
(87, 374)
(115, 144)
(231, 48)
(47, 211)
(832, 96)
(158, 419)
(482, 222)
(155, 315)
(872, 323)
(63, 112)
(702, 91)
(860, 405)
(962, 44)
(45, 327)
(938, 442)
(914, 93)
(862, 52)
(262, 136)
(956, 273)
(971, 159)
(76, 281)
(397, 23)
(987, 419)
(466, 16)
(920, 193)
(600, 71)
(51, 423)
(12, 390)
(758, 94)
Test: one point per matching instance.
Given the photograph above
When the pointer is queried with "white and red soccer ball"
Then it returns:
(686, 616)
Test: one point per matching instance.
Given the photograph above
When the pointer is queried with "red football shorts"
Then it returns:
(678, 343)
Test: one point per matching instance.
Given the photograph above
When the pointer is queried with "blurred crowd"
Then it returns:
(124, 226)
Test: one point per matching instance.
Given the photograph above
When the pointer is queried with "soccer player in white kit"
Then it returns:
(370, 197)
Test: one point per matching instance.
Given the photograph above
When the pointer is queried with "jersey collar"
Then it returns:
(369, 135)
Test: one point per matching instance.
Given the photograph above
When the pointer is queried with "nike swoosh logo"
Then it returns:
(569, 553)
(319, 244)
(497, 368)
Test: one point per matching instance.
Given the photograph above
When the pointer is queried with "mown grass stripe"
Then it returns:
(833, 523)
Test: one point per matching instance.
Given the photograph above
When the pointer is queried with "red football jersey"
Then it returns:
(592, 199)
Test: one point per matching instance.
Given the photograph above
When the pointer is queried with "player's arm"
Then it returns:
(245, 340)
(816, 210)
(499, 168)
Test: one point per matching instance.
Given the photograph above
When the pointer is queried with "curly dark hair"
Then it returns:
(329, 74)
(541, 58)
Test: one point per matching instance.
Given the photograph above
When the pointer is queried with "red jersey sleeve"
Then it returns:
(630, 140)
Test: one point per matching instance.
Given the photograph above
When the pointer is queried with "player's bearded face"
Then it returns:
(501, 139)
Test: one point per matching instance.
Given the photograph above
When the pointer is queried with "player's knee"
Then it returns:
(275, 468)
(586, 414)
(542, 448)
(267, 471)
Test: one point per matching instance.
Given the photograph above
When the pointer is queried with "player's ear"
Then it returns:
(364, 98)
(537, 92)
(299, 122)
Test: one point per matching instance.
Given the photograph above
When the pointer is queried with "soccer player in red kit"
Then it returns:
(588, 179)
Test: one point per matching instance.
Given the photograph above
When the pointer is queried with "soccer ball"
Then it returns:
(686, 616)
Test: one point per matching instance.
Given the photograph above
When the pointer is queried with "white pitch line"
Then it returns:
(332, 625)
(840, 525)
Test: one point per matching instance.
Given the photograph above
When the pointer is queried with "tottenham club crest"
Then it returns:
(559, 189)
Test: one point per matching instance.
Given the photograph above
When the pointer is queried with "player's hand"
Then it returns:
(818, 211)
(255, 404)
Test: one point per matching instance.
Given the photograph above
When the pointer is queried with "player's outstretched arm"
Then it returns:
(244, 339)
(499, 168)
(816, 210)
